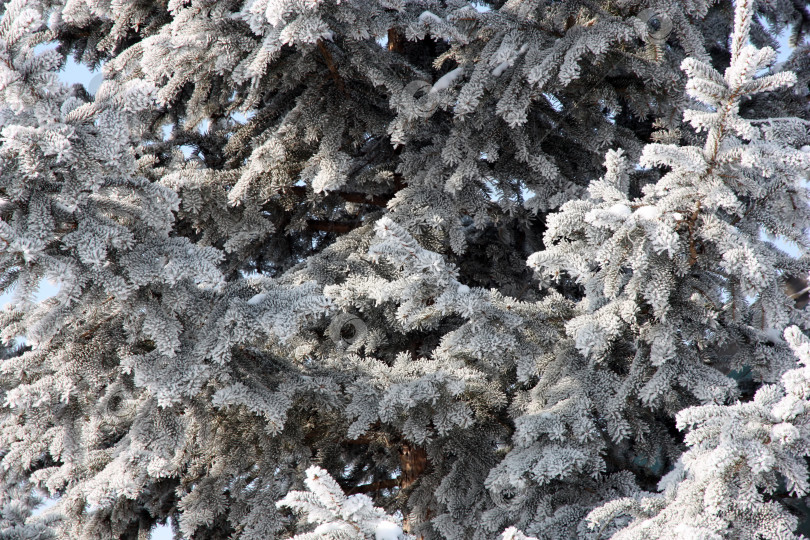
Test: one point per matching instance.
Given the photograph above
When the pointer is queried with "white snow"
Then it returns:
(387, 530)
(256, 299)
(463, 289)
(805, 148)
(329, 527)
(446, 80)
(620, 210)
(774, 335)
(500, 68)
(429, 16)
(648, 212)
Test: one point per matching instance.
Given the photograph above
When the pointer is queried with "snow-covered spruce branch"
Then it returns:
(340, 517)
(739, 457)
(146, 307)
(425, 290)
(679, 273)
(682, 268)
(554, 420)
(418, 290)
(229, 170)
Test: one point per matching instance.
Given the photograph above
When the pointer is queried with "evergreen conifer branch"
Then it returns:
(291, 265)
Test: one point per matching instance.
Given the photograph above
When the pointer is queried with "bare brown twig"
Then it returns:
(330, 64)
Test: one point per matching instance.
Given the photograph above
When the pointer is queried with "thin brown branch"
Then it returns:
(399, 182)
(330, 64)
(376, 486)
(396, 41)
(693, 254)
(362, 441)
(413, 462)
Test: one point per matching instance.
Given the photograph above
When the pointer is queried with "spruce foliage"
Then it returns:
(406, 269)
